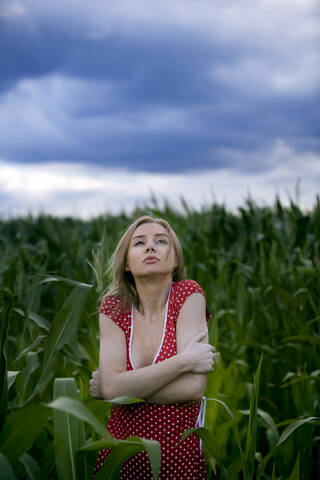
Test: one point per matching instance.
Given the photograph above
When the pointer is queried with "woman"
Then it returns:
(154, 346)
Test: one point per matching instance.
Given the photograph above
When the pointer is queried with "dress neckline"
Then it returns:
(163, 334)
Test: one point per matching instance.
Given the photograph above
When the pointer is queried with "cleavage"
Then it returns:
(146, 340)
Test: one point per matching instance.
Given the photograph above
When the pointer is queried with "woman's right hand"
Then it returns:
(199, 356)
(95, 387)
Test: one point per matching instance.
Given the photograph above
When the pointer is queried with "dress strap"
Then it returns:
(201, 417)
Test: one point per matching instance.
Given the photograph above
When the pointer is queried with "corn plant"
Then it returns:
(260, 269)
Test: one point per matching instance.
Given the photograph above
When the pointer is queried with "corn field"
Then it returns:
(260, 269)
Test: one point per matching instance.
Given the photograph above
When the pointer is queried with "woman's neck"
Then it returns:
(153, 295)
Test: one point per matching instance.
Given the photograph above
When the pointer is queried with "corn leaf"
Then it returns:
(31, 467)
(21, 429)
(12, 377)
(250, 451)
(125, 450)
(36, 318)
(211, 448)
(295, 474)
(153, 450)
(6, 301)
(289, 430)
(69, 434)
(64, 326)
(269, 422)
(112, 465)
(28, 349)
(6, 472)
(78, 410)
(293, 426)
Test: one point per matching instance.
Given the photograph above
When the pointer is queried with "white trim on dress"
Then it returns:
(201, 417)
(163, 334)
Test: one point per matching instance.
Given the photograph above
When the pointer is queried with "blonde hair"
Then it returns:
(123, 284)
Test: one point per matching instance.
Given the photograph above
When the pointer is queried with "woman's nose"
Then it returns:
(149, 247)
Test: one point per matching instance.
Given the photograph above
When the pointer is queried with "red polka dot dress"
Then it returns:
(164, 423)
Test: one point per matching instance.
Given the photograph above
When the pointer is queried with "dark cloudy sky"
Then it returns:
(103, 102)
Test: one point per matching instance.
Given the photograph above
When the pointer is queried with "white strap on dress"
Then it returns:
(201, 416)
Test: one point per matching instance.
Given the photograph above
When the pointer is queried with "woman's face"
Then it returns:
(150, 251)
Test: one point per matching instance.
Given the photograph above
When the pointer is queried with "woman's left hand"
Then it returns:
(95, 388)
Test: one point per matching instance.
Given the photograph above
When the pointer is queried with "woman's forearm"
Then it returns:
(143, 382)
(188, 387)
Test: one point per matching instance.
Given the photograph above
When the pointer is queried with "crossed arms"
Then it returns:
(179, 378)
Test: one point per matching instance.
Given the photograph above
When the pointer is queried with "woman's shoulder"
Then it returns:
(113, 306)
(182, 290)
(109, 302)
(187, 286)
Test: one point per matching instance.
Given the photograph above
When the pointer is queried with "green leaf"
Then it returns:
(153, 450)
(224, 405)
(303, 338)
(269, 422)
(31, 364)
(124, 400)
(109, 443)
(63, 328)
(6, 472)
(36, 318)
(295, 474)
(283, 437)
(69, 434)
(210, 446)
(21, 429)
(17, 379)
(32, 468)
(111, 467)
(250, 451)
(235, 428)
(99, 409)
(293, 426)
(30, 347)
(12, 377)
(67, 281)
(77, 409)
(6, 300)
(125, 450)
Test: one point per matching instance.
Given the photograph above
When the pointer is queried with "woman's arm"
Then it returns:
(190, 386)
(183, 389)
(116, 381)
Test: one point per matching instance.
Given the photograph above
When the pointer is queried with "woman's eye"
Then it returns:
(162, 240)
(140, 242)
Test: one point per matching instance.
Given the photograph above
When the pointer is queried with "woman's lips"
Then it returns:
(151, 260)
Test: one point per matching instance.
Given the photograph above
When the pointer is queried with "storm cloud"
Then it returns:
(160, 87)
